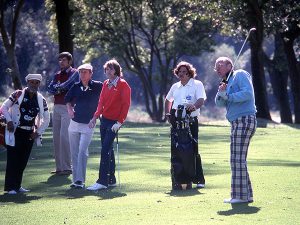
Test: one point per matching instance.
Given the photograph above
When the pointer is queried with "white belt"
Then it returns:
(26, 127)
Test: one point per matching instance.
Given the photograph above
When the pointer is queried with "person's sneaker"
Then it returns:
(12, 192)
(23, 190)
(234, 201)
(96, 187)
(73, 185)
(200, 185)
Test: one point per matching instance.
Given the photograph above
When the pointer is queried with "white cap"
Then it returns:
(33, 76)
(86, 66)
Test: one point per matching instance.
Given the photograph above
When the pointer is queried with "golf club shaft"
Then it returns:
(252, 29)
(118, 159)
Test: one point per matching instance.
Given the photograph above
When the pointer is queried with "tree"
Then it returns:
(9, 39)
(64, 27)
(278, 72)
(254, 16)
(283, 18)
(149, 36)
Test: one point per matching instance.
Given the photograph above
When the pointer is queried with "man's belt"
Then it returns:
(26, 127)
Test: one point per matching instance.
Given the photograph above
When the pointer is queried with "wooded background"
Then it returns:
(149, 37)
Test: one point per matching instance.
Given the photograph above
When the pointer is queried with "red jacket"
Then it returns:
(114, 103)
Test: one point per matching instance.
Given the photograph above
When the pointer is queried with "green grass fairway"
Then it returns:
(145, 195)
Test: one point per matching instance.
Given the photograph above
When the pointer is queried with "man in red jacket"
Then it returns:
(113, 105)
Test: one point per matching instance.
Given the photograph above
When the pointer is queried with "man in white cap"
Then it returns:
(81, 100)
(27, 116)
(59, 86)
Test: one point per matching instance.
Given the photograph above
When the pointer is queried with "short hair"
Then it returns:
(68, 55)
(224, 59)
(113, 63)
(190, 68)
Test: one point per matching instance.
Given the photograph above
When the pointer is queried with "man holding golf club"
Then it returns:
(237, 95)
(113, 105)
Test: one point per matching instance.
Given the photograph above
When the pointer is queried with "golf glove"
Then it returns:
(116, 127)
(223, 95)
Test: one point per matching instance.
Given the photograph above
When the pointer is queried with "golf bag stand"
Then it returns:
(183, 145)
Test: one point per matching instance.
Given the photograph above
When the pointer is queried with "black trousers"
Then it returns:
(17, 158)
(199, 177)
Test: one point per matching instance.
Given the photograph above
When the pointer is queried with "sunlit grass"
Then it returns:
(145, 195)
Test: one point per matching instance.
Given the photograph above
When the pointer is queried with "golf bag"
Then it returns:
(184, 151)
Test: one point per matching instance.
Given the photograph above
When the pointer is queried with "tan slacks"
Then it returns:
(62, 154)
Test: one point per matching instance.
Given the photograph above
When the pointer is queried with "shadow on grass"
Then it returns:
(242, 208)
(57, 180)
(273, 163)
(184, 193)
(18, 198)
(109, 193)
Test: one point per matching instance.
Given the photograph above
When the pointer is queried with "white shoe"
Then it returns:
(235, 200)
(23, 190)
(12, 192)
(200, 185)
(96, 187)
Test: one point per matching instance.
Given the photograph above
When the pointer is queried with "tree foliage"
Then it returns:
(33, 51)
(269, 17)
(149, 37)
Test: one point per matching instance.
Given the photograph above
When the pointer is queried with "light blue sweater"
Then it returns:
(241, 100)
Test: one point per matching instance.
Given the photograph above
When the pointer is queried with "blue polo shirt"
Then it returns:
(84, 99)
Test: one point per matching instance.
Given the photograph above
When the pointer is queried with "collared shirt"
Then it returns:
(84, 99)
(113, 83)
(186, 94)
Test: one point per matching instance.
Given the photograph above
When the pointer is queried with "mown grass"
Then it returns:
(145, 195)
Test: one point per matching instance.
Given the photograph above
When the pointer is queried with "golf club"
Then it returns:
(118, 167)
(252, 29)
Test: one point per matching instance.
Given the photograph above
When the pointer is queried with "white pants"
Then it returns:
(80, 136)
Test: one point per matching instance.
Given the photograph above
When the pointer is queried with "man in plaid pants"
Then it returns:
(237, 95)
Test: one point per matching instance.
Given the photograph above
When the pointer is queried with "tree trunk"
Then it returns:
(154, 103)
(15, 72)
(10, 42)
(279, 77)
(259, 83)
(294, 75)
(255, 18)
(63, 20)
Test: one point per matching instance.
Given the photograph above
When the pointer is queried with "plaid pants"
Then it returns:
(242, 130)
